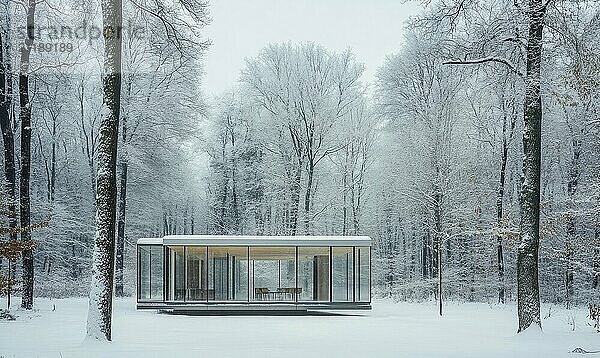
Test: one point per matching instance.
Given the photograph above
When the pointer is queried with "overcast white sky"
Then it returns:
(240, 28)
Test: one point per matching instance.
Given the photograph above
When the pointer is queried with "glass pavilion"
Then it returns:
(190, 272)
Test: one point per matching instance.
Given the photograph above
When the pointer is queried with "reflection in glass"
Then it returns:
(362, 279)
(313, 273)
(228, 273)
(144, 264)
(196, 273)
(273, 274)
(176, 274)
(156, 272)
(342, 274)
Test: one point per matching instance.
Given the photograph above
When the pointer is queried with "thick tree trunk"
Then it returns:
(101, 293)
(528, 294)
(8, 138)
(25, 117)
(9, 151)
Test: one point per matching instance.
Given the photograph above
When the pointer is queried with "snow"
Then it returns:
(389, 330)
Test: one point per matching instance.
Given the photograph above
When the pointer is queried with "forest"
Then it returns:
(472, 159)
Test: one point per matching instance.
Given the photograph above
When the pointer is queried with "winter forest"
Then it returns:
(470, 154)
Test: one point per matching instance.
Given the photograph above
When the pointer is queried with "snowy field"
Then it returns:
(389, 330)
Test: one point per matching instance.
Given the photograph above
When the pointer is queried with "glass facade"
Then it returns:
(313, 273)
(177, 275)
(150, 268)
(257, 273)
(273, 274)
(362, 274)
(342, 273)
(196, 271)
(228, 273)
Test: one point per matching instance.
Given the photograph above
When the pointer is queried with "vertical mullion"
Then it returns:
(150, 272)
(347, 276)
(296, 272)
(206, 276)
(185, 273)
(227, 278)
(165, 269)
(371, 273)
(330, 274)
(359, 273)
(139, 274)
(248, 275)
(353, 274)
(233, 268)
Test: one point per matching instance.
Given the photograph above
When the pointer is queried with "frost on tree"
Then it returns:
(101, 292)
(25, 117)
(528, 291)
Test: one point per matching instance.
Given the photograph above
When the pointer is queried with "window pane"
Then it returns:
(273, 274)
(313, 273)
(342, 274)
(196, 273)
(156, 273)
(144, 275)
(176, 274)
(363, 267)
(228, 273)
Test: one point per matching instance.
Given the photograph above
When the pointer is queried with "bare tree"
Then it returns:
(25, 117)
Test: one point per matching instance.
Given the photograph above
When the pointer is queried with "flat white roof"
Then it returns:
(223, 240)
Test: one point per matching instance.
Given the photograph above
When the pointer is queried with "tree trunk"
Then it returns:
(25, 117)
(101, 293)
(53, 162)
(506, 136)
(528, 294)
(596, 278)
(307, 197)
(571, 229)
(345, 194)
(438, 236)
(293, 220)
(9, 151)
(8, 140)
(120, 248)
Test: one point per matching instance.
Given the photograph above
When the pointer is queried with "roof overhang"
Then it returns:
(218, 240)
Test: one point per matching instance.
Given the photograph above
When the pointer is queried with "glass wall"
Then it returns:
(273, 274)
(196, 263)
(286, 274)
(363, 274)
(228, 273)
(313, 273)
(342, 274)
(150, 284)
(176, 273)
(144, 268)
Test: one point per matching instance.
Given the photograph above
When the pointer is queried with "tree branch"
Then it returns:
(485, 60)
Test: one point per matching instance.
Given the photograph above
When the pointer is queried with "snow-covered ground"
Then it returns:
(389, 330)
